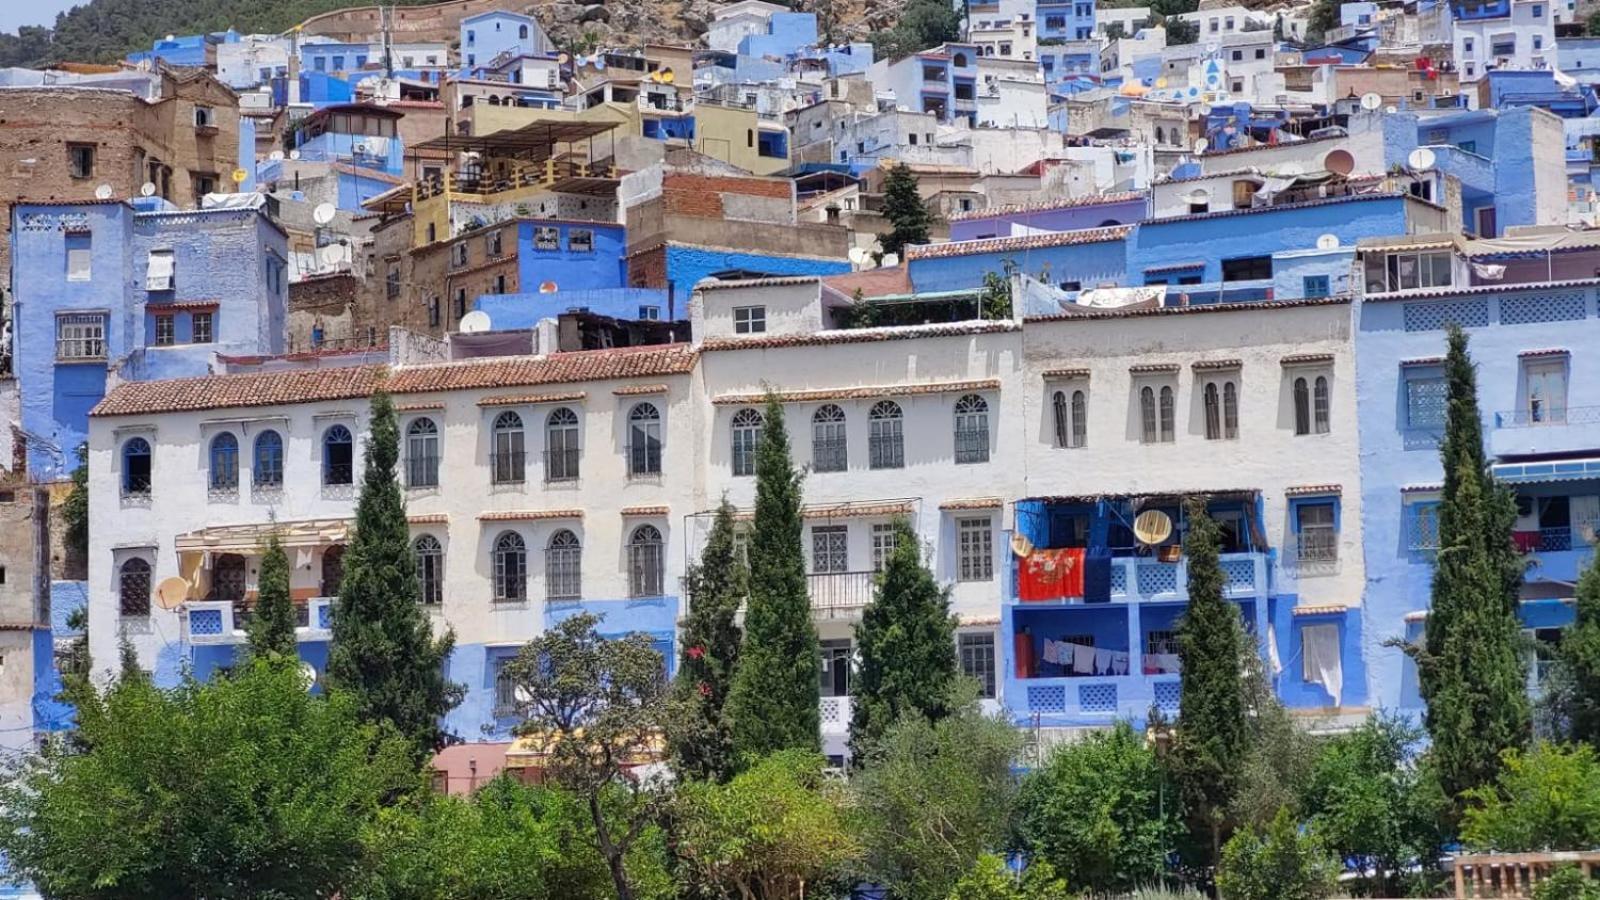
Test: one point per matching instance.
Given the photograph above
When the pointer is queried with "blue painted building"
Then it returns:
(488, 35)
(1065, 20)
(134, 291)
(337, 57)
(678, 267)
(787, 34)
(189, 50)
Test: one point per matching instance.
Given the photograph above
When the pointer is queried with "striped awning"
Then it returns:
(1548, 470)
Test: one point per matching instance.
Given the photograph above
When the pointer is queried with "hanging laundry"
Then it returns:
(1082, 659)
(1050, 574)
(1051, 652)
(1102, 662)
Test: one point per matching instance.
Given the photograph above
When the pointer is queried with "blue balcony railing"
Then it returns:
(1144, 579)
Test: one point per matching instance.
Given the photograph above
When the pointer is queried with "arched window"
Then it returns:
(134, 587)
(749, 137)
(136, 468)
(225, 462)
(561, 445)
(828, 451)
(1302, 406)
(960, 60)
(644, 440)
(1147, 413)
(508, 463)
(1230, 410)
(1080, 419)
(227, 578)
(267, 469)
(563, 567)
(522, 32)
(1213, 403)
(332, 571)
(1319, 405)
(886, 445)
(1160, 135)
(1061, 416)
(972, 429)
(422, 453)
(430, 569)
(510, 567)
(338, 456)
(746, 437)
(1169, 425)
(645, 575)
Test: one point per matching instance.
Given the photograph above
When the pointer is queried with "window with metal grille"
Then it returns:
(267, 469)
(561, 445)
(510, 567)
(644, 440)
(200, 330)
(508, 463)
(1230, 410)
(563, 566)
(430, 569)
(885, 535)
(391, 283)
(886, 436)
(1317, 536)
(828, 450)
(338, 456)
(1147, 414)
(1169, 426)
(1213, 407)
(133, 588)
(746, 438)
(1071, 419)
(830, 549)
(580, 240)
(227, 578)
(645, 560)
(81, 336)
(505, 690)
(332, 571)
(136, 468)
(225, 462)
(972, 429)
(1427, 398)
(1319, 405)
(1160, 642)
(166, 332)
(975, 549)
(422, 453)
(977, 661)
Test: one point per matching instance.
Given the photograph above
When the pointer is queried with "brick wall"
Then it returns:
(648, 268)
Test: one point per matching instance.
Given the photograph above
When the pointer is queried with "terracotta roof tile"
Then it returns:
(640, 390)
(1325, 610)
(1188, 310)
(531, 399)
(1548, 351)
(716, 284)
(1306, 359)
(1212, 365)
(1013, 244)
(848, 510)
(1302, 490)
(1066, 373)
(1463, 291)
(973, 503)
(529, 515)
(1422, 361)
(253, 389)
(879, 282)
(180, 305)
(430, 519)
(859, 335)
(557, 368)
(1151, 368)
(639, 511)
(1011, 209)
(862, 393)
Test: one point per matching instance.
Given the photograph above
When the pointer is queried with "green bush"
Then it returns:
(1278, 863)
(1547, 798)
(1567, 883)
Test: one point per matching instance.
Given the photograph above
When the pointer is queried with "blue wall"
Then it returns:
(687, 264)
(787, 33)
(603, 266)
(487, 35)
(1088, 264)
(524, 310)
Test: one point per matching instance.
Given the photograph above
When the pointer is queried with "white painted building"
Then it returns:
(736, 21)
(1225, 20)
(252, 60)
(1503, 34)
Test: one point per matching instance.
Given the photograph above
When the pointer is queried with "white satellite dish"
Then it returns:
(275, 156)
(308, 675)
(1370, 101)
(1391, 109)
(331, 255)
(1205, 109)
(1328, 242)
(890, 260)
(323, 214)
(1199, 195)
(294, 154)
(1201, 145)
(1421, 159)
(103, 192)
(475, 322)
(860, 257)
(1292, 170)
(147, 189)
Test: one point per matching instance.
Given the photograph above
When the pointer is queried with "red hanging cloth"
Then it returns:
(1050, 575)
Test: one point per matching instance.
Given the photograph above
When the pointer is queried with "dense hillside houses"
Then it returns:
(1063, 270)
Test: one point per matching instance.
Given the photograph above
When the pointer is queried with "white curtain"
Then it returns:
(1319, 647)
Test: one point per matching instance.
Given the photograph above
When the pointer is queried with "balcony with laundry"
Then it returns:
(1094, 590)
(1558, 511)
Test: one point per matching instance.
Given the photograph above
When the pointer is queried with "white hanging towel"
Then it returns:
(1082, 659)
(1319, 647)
(1272, 650)
(1051, 654)
(1489, 271)
(1102, 662)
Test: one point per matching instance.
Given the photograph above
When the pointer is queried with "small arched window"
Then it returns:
(828, 450)
(1169, 425)
(561, 445)
(267, 469)
(522, 32)
(430, 569)
(886, 448)
(338, 456)
(332, 570)
(225, 462)
(1302, 406)
(133, 587)
(1230, 410)
(136, 468)
(645, 558)
(750, 137)
(1213, 404)
(508, 463)
(1147, 414)
(1319, 405)
(422, 453)
(510, 567)
(644, 440)
(746, 438)
(972, 429)
(563, 567)
(960, 60)
(1080, 419)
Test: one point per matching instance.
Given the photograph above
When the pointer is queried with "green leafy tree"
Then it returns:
(1324, 18)
(1100, 811)
(1573, 691)
(1181, 31)
(1567, 883)
(907, 643)
(1547, 798)
(908, 215)
(1470, 666)
(383, 651)
(771, 832)
(272, 626)
(1276, 863)
(1213, 734)
(933, 798)
(921, 24)
(239, 787)
(776, 693)
(75, 510)
(700, 735)
(995, 301)
(598, 708)
(1116, 31)
(1591, 25)
(989, 879)
(507, 841)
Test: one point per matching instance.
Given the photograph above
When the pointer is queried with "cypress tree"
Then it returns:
(908, 216)
(1470, 668)
(383, 651)
(272, 626)
(776, 690)
(700, 734)
(906, 639)
(1213, 734)
(1578, 665)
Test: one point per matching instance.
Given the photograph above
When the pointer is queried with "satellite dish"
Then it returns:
(331, 255)
(171, 592)
(475, 322)
(1328, 242)
(308, 675)
(1152, 527)
(1391, 109)
(1201, 145)
(323, 214)
(890, 260)
(147, 189)
(275, 156)
(294, 154)
(1370, 102)
(548, 287)
(1421, 159)
(1205, 109)
(103, 192)
(860, 257)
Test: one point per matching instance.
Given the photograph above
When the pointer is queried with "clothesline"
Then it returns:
(1081, 659)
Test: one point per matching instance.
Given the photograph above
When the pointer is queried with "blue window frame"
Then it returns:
(1427, 398)
(225, 462)
(338, 456)
(1316, 286)
(136, 468)
(1422, 525)
(267, 469)
(1314, 519)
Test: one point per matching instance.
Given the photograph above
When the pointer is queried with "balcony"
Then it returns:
(1143, 579)
(1556, 430)
(1107, 698)
(211, 622)
(839, 594)
(836, 713)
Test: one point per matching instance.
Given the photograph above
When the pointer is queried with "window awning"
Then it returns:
(158, 277)
(249, 538)
(1548, 470)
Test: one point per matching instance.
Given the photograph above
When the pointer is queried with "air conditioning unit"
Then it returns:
(359, 149)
